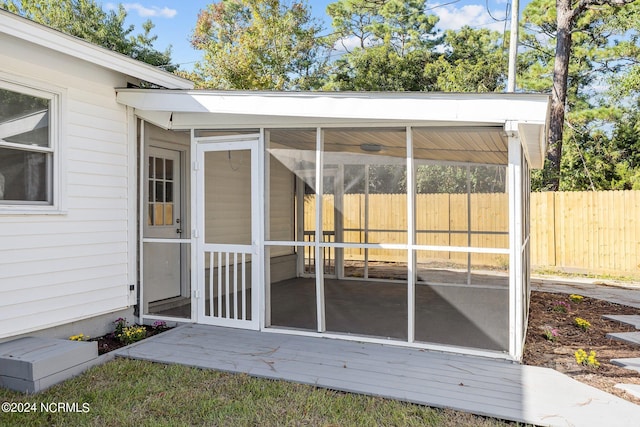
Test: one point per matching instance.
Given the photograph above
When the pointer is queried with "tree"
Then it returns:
(474, 60)
(259, 44)
(87, 20)
(393, 39)
(570, 18)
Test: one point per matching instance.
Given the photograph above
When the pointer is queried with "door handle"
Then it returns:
(179, 230)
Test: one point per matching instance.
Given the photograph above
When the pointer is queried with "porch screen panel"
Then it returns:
(364, 220)
(292, 297)
(451, 313)
(462, 294)
(228, 225)
(167, 290)
(290, 218)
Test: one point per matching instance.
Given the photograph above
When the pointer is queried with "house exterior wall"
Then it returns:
(73, 262)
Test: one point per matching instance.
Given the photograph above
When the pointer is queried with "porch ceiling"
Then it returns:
(453, 127)
(486, 145)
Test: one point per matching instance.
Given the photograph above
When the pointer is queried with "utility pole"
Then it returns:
(513, 45)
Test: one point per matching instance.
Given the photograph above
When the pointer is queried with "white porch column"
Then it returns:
(265, 197)
(514, 187)
(319, 231)
(411, 232)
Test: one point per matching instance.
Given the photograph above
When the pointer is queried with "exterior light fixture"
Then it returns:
(371, 148)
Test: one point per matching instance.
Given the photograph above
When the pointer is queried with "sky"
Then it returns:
(174, 20)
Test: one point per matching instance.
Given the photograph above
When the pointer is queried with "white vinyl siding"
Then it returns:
(74, 264)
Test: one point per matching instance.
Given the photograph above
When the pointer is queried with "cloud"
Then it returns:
(147, 12)
(347, 44)
(473, 15)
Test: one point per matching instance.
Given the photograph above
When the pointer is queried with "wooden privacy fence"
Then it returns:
(597, 232)
(586, 231)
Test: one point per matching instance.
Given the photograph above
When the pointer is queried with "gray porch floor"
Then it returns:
(482, 386)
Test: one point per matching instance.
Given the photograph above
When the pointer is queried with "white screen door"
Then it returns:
(228, 229)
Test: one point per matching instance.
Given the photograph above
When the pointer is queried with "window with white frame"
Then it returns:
(27, 145)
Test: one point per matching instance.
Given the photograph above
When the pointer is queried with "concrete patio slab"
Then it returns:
(625, 294)
(628, 319)
(632, 389)
(490, 387)
(628, 337)
(629, 363)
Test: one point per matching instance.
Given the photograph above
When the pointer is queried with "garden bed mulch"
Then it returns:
(559, 353)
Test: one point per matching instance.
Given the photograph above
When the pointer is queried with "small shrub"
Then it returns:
(590, 360)
(79, 337)
(561, 306)
(131, 334)
(576, 298)
(159, 325)
(120, 323)
(550, 333)
(127, 334)
(582, 323)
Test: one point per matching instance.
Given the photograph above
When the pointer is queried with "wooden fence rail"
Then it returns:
(595, 232)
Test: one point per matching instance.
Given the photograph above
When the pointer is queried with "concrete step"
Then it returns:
(33, 364)
(632, 389)
(630, 363)
(628, 337)
(628, 319)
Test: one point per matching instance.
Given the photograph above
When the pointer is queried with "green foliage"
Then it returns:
(127, 392)
(431, 178)
(582, 323)
(381, 68)
(438, 178)
(474, 60)
(402, 25)
(259, 44)
(128, 334)
(589, 360)
(604, 52)
(575, 298)
(131, 334)
(394, 42)
(79, 337)
(87, 20)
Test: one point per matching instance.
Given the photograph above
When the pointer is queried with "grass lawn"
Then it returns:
(134, 393)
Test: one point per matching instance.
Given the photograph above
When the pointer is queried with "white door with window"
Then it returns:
(163, 226)
(227, 218)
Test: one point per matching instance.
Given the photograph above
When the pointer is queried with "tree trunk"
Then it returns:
(559, 95)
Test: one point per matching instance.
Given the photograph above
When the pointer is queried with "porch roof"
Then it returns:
(526, 114)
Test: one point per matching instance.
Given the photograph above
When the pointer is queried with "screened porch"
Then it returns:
(393, 233)
(397, 218)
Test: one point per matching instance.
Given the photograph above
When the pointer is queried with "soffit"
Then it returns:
(486, 145)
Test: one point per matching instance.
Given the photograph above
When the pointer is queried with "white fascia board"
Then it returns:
(534, 140)
(217, 120)
(476, 108)
(55, 40)
(159, 118)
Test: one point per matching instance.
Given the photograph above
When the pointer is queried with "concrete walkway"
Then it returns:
(616, 292)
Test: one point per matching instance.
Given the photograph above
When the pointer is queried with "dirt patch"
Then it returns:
(546, 314)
